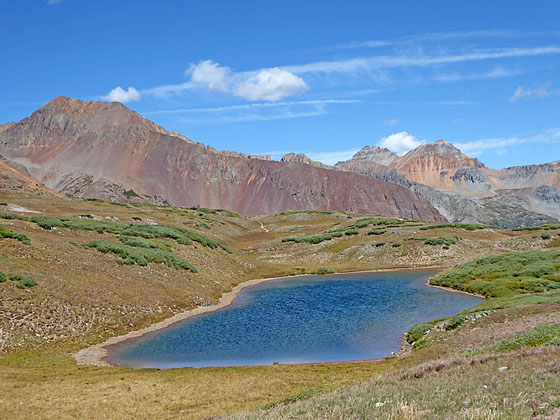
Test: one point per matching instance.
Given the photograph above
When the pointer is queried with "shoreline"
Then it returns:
(449, 289)
(96, 354)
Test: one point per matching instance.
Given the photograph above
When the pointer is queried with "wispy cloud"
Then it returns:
(360, 64)
(542, 91)
(118, 94)
(392, 122)
(495, 73)
(479, 146)
(259, 111)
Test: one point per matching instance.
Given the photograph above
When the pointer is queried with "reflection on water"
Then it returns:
(299, 320)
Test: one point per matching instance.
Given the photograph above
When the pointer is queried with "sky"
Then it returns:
(323, 78)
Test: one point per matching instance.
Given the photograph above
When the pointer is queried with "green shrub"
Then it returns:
(10, 234)
(455, 322)
(378, 244)
(546, 236)
(23, 281)
(312, 239)
(376, 232)
(396, 244)
(418, 331)
(352, 232)
(2, 277)
(323, 270)
(140, 255)
(446, 240)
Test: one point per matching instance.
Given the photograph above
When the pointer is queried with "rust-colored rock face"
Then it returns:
(97, 149)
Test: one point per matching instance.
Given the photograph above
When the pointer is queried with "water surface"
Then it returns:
(299, 320)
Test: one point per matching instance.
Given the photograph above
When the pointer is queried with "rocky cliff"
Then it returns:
(99, 149)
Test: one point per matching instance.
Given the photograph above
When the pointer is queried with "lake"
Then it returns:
(307, 319)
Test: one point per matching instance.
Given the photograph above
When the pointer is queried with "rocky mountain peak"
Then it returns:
(375, 154)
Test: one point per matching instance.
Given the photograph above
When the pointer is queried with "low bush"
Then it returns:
(2, 277)
(418, 331)
(378, 244)
(10, 234)
(323, 270)
(442, 240)
(140, 255)
(396, 244)
(23, 281)
(376, 232)
(352, 232)
(466, 226)
(546, 236)
(312, 239)
(454, 322)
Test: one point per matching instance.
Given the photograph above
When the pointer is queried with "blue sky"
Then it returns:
(320, 77)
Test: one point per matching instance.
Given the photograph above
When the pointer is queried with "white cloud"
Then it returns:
(270, 85)
(210, 74)
(118, 94)
(400, 143)
(392, 122)
(538, 92)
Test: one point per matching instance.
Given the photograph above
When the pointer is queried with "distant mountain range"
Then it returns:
(462, 188)
(105, 150)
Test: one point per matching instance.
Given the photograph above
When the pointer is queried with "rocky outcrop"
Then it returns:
(87, 148)
(301, 158)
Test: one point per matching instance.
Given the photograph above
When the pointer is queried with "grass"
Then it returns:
(6, 233)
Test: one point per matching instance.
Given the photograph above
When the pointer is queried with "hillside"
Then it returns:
(105, 150)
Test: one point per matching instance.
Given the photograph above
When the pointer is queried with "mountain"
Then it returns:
(105, 150)
(462, 188)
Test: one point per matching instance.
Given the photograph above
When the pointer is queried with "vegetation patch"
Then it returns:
(505, 275)
(542, 334)
(377, 232)
(312, 239)
(6, 233)
(140, 254)
(466, 226)
(455, 322)
(418, 331)
(180, 235)
(442, 240)
(323, 271)
(22, 281)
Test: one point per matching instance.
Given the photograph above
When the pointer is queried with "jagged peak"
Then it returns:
(375, 154)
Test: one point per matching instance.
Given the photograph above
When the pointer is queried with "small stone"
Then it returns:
(379, 404)
(503, 368)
